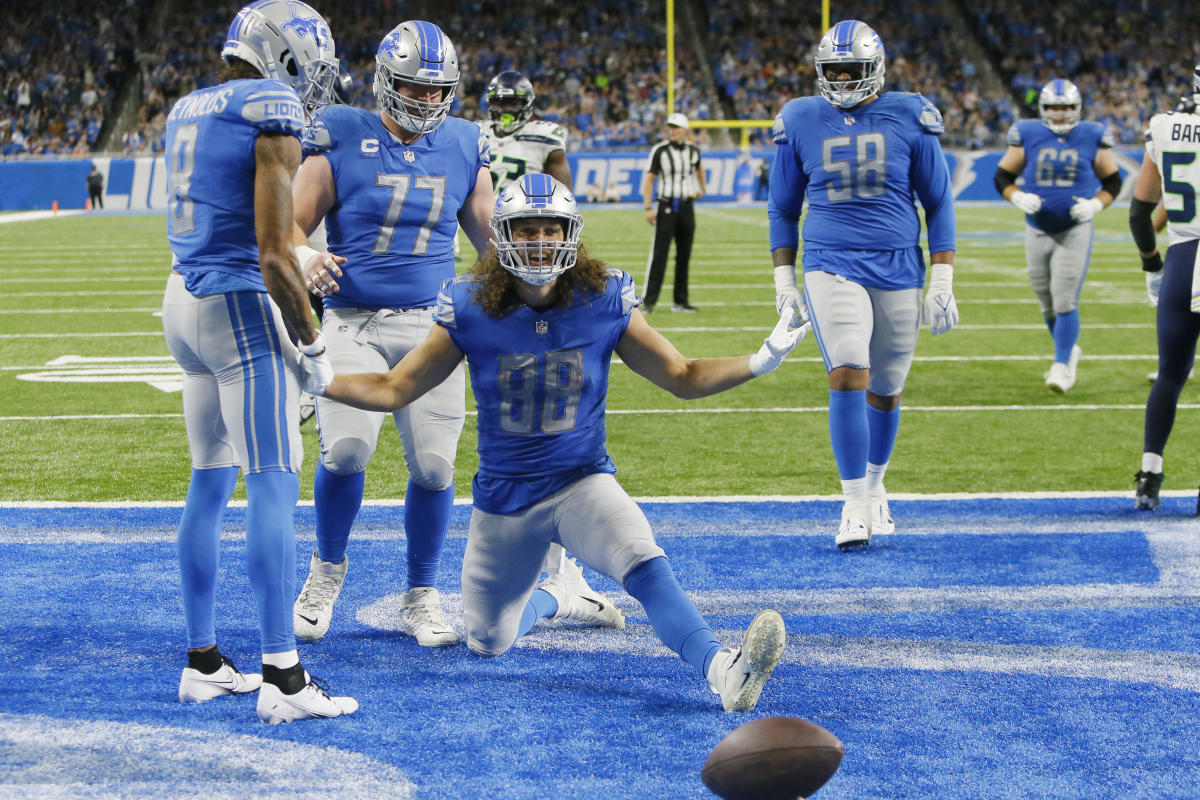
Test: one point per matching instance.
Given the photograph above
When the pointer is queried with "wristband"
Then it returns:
(315, 347)
(785, 277)
(1152, 263)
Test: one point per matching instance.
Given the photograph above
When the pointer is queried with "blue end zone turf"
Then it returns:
(990, 648)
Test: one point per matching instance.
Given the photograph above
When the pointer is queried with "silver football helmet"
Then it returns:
(289, 41)
(850, 47)
(1060, 105)
(418, 54)
(536, 195)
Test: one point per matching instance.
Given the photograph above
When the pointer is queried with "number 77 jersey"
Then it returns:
(1173, 141)
(861, 171)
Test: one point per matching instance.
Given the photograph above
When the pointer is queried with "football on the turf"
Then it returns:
(773, 758)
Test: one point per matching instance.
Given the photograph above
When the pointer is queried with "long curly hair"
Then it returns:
(496, 291)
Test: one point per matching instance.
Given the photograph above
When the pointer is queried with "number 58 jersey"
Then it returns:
(540, 380)
(861, 171)
(396, 211)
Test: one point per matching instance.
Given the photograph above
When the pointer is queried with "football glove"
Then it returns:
(1028, 202)
(787, 293)
(1153, 286)
(315, 370)
(941, 312)
(1084, 208)
(781, 341)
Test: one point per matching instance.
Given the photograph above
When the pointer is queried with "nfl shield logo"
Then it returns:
(540, 327)
(409, 156)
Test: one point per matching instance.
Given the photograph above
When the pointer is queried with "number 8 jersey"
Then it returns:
(210, 192)
(1058, 168)
(540, 379)
(861, 170)
(396, 211)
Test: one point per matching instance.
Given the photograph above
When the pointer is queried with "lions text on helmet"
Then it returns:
(850, 63)
(532, 251)
(289, 41)
(416, 76)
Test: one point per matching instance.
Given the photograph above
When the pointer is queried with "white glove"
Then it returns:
(1083, 209)
(787, 293)
(1028, 202)
(1154, 286)
(781, 341)
(315, 370)
(941, 312)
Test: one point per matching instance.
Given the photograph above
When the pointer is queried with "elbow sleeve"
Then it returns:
(1003, 179)
(1141, 225)
(1112, 184)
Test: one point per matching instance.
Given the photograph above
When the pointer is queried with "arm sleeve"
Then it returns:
(931, 179)
(786, 188)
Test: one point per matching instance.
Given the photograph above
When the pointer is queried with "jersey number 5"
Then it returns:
(863, 176)
(518, 390)
(1182, 188)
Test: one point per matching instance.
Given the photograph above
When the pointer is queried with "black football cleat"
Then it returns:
(1148, 485)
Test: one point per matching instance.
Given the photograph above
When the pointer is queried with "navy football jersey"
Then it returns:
(540, 380)
(1058, 168)
(211, 135)
(396, 212)
(861, 171)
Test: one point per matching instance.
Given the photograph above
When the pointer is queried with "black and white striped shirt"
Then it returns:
(675, 166)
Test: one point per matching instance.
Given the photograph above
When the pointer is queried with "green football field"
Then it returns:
(92, 411)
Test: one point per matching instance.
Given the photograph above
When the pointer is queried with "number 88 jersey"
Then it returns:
(540, 380)
(1058, 168)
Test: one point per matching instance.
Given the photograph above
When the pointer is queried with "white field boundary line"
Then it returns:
(621, 412)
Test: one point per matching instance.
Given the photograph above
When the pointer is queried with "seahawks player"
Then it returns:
(1070, 175)
(538, 321)
(392, 188)
(1170, 172)
(860, 157)
(234, 292)
(519, 143)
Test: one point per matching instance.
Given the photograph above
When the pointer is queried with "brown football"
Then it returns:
(773, 758)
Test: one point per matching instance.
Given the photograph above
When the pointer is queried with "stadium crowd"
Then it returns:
(600, 70)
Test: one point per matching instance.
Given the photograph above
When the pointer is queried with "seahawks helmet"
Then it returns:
(419, 54)
(849, 47)
(510, 100)
(289, 41)
(536, 195)
(1060, 105)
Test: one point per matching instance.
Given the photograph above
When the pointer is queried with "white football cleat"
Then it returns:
(854, 530)
(422, 617)
(308, 407)
(313, 609)
(881, 515)
(1059, 379)
(578, 601)
(311, 702)
(196, 687)
(738, 674)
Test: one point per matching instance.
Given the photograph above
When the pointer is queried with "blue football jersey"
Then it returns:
(211, 134)
(1058, 168)
(540, 380)
(862, 171)
(396, 212)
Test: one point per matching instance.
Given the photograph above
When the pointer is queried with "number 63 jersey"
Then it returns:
(861, 171)
(1058, 168)
(396, 212)
(540, 380)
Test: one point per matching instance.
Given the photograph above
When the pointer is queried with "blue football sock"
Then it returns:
(672, 614)
(541, 605)
(271, 554)
(199, 544)
(1050, 324)
(337, 500)
(848, 432)
(1066, 333)
(426, 518)
(883, 427)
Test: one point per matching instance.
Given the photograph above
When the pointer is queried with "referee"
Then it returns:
(676, 164)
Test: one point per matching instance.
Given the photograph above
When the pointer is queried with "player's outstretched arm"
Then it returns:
(276, 158)
(423, 368)
(651, 355)
(477, 212)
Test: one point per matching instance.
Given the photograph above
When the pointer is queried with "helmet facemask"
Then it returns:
(419, 55)
(852, 48)
(1060, 106)
(539, 197)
